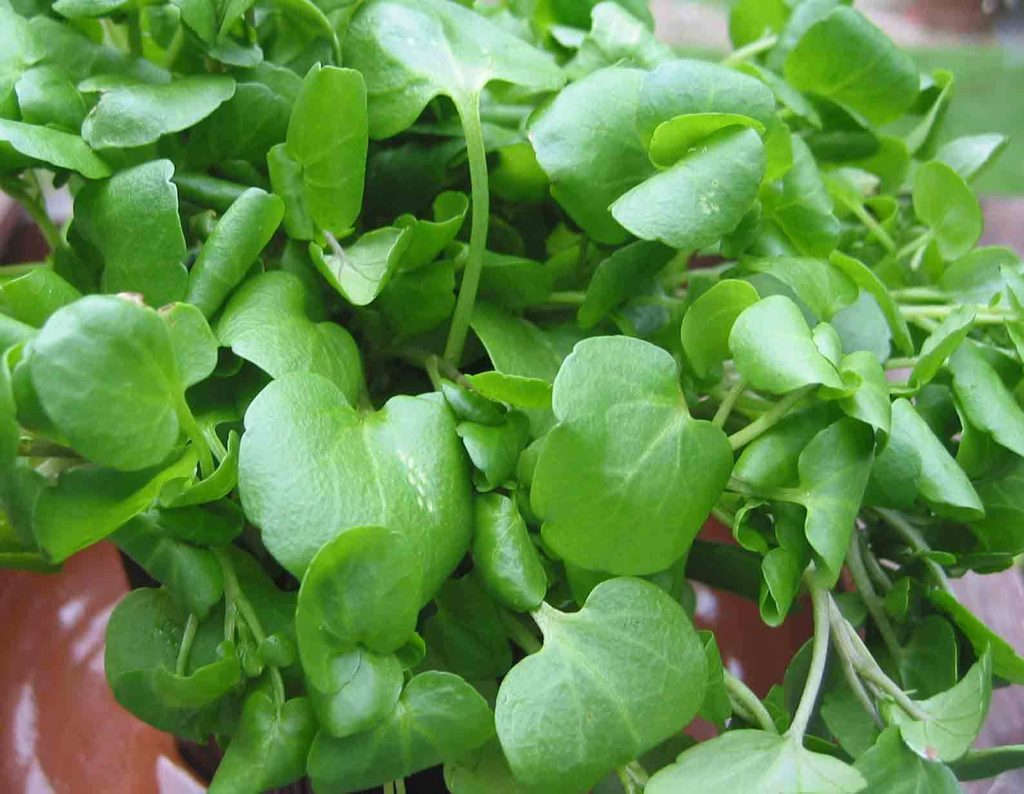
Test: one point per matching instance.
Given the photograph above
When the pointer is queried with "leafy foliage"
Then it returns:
(378, 338)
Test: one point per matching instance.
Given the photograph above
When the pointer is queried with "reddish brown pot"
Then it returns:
(952, 16)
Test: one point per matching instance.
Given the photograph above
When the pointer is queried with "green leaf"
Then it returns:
(587, 144)
(823, 288)
(75, 9)
(929, 660)
(360, 589)
(467, 632)
(941, 344)
(411, 51)
(494, 450)
(708, 322)
(514, 390)
(53, 147)
(105, 372)
(978, 277)
(867, 280)
(626, 671)
(212, 524)
(801, 206)
(88, 503)
(428, 239)
(131, 220)
(482, 771)
(673, 139)
(972, 153)
(834, 469)
(915, 462)
(1002, 528)
(33, 297)
(46, 96)
(269, 748)
(267, 322)
(192, 575)
(625, 480)
(716, 707)
(438, 718)
(845, 58)
(1006, 662)
(361, 271)
(137, 114)
(954, 717)
(944, 202)
(188, 492)
(504, 555)
(986, 401)
(889, 766)
(749, 20)
(142, 641)
(236, 241)
(773, 348)
(517, 346)
(625, 273)
(746, 761)
(327, 137)
(305, 445)
(700, 198)
(869, 401)
(195, 346)
(355, 690)
(617, 37)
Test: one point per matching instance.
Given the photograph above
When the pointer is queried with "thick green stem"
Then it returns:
(914, 246)
(195, 435)
(871, 224)
(236, 599)
(729, 402)
(816, 671)
(919, 294)
(914, 539)
(751, 50)
(741, 695)
(191, 627)
(857, 569)
(476, 154)
(519, 634)
(984, 316)
(846, 654)
(769, 419)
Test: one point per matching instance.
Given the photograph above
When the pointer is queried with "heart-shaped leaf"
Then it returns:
(439, 717)
(267, 322)
(353, 691)
(627, 477)
(311, 466)
(750, 762)
(626, 672)
(269, 748)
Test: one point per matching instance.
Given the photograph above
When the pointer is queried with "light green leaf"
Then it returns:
(972, 153)
(801, 206)
(751, 762)
(673, 139)
(944, 202)
(195, 346)
(105, 373)
(700, 198)
(494, 449)
(33, 297)
(889, 766)
(708, 322)
(438, 718)
(482, 771)
(623, 674)
(773, 348)
(410, 51)
(47, 97)
(515, 390)
(954, 717)
(504, 555)
(134, 115)
(865, 278)
(401, 467)
(517, 346)
(749, 20)
(131, 220)
(236, 241)
(845, 58)
(823, 288)
(625, 480)
(617, 37)
(428, 239)
(988, 403)
(327, 137)
(53, 147)
(941, 344)
(361, 271)
(587, 143)
(1006, 662)
(267, 322)
(269, 748)
(869, 401)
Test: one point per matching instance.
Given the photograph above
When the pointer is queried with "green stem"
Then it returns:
(913, 246)
(191, 627)
(919, 294)
(476, 154)
(875, 570)
(769, 419)
(400, 786)
(871, 224)
(195, 435)
(236, 598)
(740, 694)
(570, 298)
(816, 671)
(901, 363)
(628, 784)
(846, 654)
(984, 315)
(914, 539)
(855, 565)
(748, 51)
(729, 402)
(135, 33)
(520, 635)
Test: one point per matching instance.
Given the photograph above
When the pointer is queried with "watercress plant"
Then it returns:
(379, 338)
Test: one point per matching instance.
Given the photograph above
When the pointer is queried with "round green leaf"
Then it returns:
(708, 322)
(672, 139)
(625, 672)
(943, 201)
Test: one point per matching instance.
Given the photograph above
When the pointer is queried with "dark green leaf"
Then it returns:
(622, 275)
(985, 400)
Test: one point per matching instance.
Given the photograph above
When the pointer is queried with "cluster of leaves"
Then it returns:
(419, 491)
